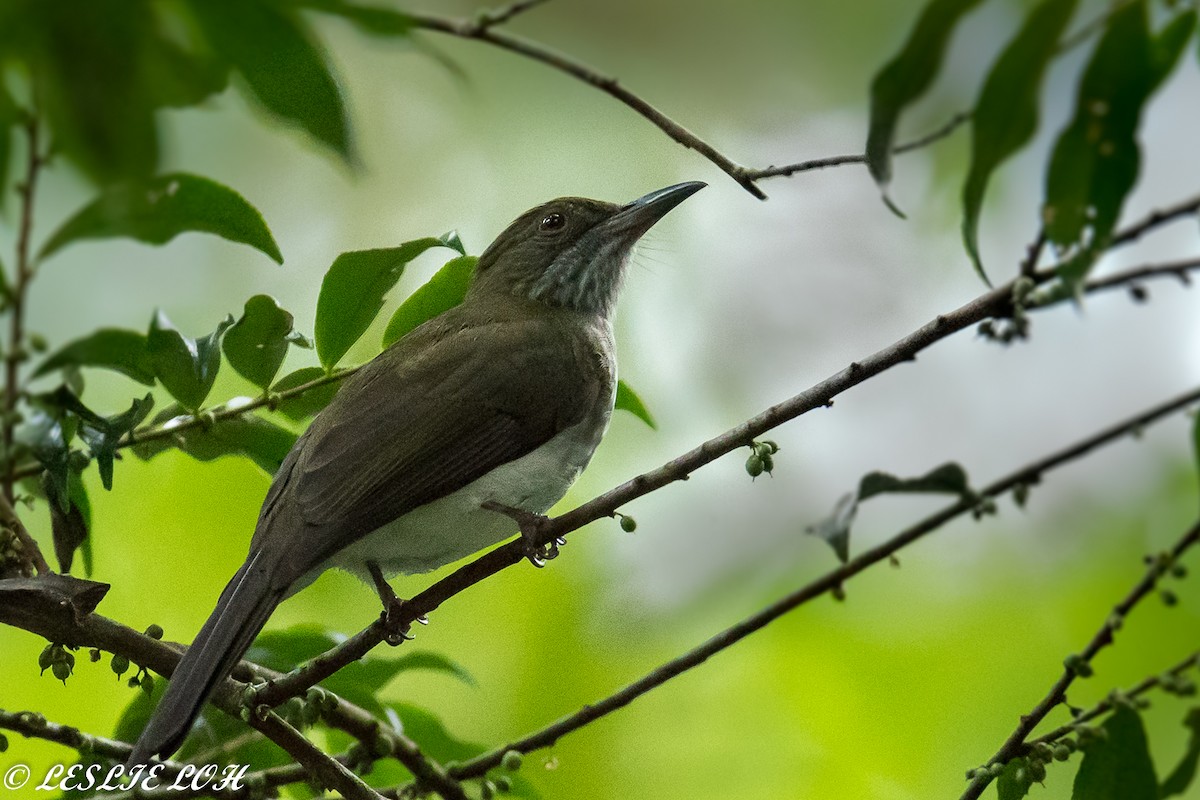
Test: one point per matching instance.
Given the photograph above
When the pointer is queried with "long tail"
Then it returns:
(241, 613)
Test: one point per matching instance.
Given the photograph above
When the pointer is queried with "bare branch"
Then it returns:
(1015, 744)
(1155, 219)
(29, 547)
(608, 85)
(860, 158)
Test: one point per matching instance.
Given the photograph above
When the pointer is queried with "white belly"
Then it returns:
(455, 526)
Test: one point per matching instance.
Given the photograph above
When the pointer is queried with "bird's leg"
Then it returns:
(532, 527)
(393, 622)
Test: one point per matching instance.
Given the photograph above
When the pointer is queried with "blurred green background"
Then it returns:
(731, 305)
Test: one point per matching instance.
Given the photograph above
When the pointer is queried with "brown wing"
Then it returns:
(441, 408)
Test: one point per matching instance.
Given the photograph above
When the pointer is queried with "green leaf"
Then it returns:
(1006, 114)
(156, 210)
(1096, 160)
(1196, 441)
(92, 89)
(44, 436)
(246, 435)
(69, 529)
(10, 115)
(117, 349)
(307, 404)
(906, 77)
(103, 435)
(628, 400)
(1117, 767)
(949, 478)
(1185, 772)
(283, 67)
(352, 294)
(257, 343)
(443, 291)
(1014, 782)
(186, 367)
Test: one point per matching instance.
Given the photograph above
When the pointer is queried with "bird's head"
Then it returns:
(571, 252)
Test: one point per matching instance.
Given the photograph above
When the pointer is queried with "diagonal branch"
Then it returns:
(1015, 744)
(1030, 473)
(606, 84)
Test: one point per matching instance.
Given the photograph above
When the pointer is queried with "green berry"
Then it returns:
(503, 784)
(628, 524)
(768, 463)
(1061, 752)
(120, 665)
(1179, 570)
(754, 465)
(94, 655)
(154, 632)
(1169, 598)
(46, 658)
(61, 670)
(1037, 771)
(147, 683)
(512, 760)
(3, 743)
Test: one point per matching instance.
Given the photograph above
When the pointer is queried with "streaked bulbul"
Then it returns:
(495, 404)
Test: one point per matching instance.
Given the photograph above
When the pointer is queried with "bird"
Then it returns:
(430, 452)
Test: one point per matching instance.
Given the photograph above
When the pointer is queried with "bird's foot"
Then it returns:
(396, 629)
(533, 527)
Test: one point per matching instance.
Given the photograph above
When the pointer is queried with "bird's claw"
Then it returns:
(396, 629)
(532, 527)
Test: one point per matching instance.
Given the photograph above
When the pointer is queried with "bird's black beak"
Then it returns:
(640, 215)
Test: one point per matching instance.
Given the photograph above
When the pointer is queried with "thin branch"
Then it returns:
(1104, 706)
(608, 85)
(499, 16)
(942, 132)
(1155, 219)
(20, 285)
(47, 611)
(1015, 744)
(1031, 473)
(29, 547)
(329, 771)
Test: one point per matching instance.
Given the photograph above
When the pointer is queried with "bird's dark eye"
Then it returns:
(553, 222)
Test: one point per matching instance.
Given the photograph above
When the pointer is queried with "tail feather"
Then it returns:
(241, 613)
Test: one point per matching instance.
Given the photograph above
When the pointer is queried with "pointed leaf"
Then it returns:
(69, 529)
(1117, 767)
(257, 343)
(628, 400)
(352, 294)
(283, 68)
(906, 77)
(1006, 114)
(1096, 160)
(156, 210)
(443, 291)
(246, 435)
(102, 435)
(1185, 771)
(311, 401)
(108, 348)
(949, 478)
(186, 367)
